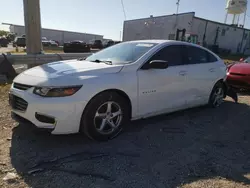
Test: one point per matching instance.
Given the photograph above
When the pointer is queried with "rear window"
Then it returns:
(21, 40)
(197, 55)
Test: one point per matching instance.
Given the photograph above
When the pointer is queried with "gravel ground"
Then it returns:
(201, 147)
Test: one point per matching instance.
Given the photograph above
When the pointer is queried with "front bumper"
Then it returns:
(22, 120)
(238, 82)
(65, 111)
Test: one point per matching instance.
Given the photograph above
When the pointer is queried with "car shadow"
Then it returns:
(164, 151)
(244, 93)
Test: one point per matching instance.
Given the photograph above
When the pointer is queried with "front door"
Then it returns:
(162, 90)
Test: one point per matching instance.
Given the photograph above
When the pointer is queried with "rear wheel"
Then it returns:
(105, 116)
(217, 95)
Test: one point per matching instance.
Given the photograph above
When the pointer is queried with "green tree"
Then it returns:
(3, 33)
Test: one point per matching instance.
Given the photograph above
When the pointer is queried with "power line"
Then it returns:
(125, 17)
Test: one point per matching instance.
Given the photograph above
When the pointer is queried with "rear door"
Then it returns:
(202, 74)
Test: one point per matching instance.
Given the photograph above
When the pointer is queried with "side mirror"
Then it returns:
(158, 64)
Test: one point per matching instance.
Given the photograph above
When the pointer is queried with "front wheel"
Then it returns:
(105, 116)
(217, 95)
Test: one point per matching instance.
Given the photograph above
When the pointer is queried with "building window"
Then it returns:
(171, 37)
(223, 32)
(245, 36)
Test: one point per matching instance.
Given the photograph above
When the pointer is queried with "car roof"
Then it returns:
(173, 42)
(164, 41)
(169, 42)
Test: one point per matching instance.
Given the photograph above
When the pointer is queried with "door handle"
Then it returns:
(212, 70)
(182, 73)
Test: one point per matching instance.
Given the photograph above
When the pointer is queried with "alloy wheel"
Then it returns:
(218, 96)
(108, 117)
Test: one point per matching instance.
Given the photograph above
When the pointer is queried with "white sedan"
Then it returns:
(128, 81)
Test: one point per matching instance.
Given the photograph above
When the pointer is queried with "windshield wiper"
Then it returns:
(100, 61)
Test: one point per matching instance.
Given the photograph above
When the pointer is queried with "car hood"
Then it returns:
(72, 68)
(65, 71)
(241, 68)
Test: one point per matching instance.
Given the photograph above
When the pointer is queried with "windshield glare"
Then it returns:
(122, 53)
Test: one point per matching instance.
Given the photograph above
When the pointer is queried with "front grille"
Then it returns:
(21, 86)
(18, 103)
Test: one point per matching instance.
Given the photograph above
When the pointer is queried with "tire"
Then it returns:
(217, 95)
(101, 124)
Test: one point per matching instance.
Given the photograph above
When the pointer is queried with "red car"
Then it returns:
(238, 74)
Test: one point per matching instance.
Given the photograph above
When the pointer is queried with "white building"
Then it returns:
(209, 32)
(58, 35)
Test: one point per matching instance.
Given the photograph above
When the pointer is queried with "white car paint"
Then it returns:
(151, 92)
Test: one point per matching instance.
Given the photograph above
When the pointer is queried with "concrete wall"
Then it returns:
(58, 35)
(228, 37)
(157, 27)
(163, 26)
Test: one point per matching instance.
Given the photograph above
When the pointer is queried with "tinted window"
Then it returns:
(211, 58)
(171, 54)
(197, 55)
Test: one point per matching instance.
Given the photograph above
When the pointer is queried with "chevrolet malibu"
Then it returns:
(98, 95)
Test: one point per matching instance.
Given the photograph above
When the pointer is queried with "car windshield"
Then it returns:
(122, 53)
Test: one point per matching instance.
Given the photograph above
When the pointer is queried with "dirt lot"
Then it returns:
(201, 147)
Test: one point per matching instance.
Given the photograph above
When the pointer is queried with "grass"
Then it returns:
(232, 57)
(45, 49)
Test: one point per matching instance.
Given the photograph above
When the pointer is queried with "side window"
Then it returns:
(171, 54)
(197, 55)
(211, 58)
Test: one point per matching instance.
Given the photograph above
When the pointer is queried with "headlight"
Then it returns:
(56, 91)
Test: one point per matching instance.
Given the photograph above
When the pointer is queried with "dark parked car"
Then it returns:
(11, 37)
(19, 42)
(108, 43)
(97, 44)
(76, 47)
(4, 42)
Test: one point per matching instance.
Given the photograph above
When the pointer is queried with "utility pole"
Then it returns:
(32, 20)
(177, 12)
(177, 8)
